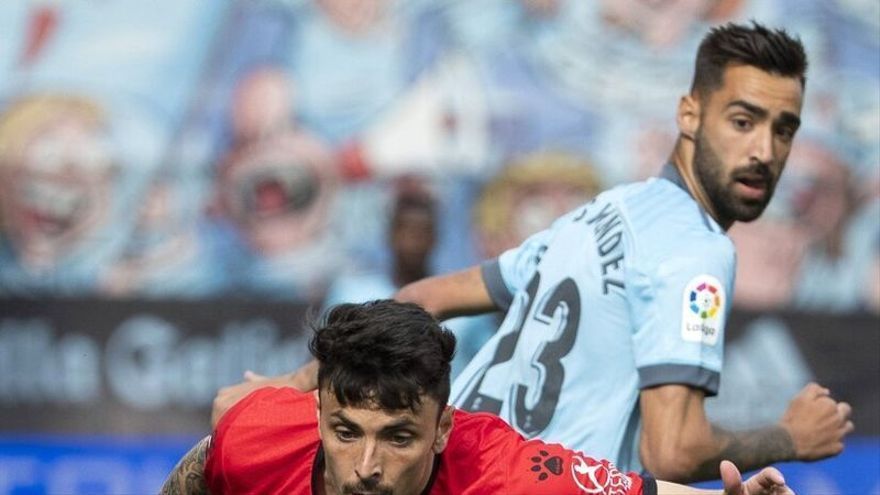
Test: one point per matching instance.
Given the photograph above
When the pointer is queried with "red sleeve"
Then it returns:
(486, 456)
(540, 468)
(266, 443)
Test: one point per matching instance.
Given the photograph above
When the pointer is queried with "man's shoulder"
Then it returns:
(482, 420)
(663, 214)
(655, 209)
(476, 454)
(271, 406)
(265, 443)
(653, 198)
(476, 432)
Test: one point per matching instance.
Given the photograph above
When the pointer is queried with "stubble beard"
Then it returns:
(367, 487)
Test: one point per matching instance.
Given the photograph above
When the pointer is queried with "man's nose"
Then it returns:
(762, 146)
(369, 466)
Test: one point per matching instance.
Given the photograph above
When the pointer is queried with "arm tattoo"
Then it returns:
(749, 450)
(188, 476)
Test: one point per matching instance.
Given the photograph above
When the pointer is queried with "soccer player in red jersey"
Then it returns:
(379, 425)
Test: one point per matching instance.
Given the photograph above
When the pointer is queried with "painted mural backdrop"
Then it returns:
(187, 154)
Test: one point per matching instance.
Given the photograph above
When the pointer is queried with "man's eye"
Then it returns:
(742, 124)
(785, 133)
(345, 435)
(401, 440)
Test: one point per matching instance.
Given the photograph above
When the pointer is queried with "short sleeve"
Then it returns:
(511, 271)
(679, 306)
(486, 455)
(260, 444)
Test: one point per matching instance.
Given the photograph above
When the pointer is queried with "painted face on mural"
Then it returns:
(58, 174)
(277, 182)
(278, 191)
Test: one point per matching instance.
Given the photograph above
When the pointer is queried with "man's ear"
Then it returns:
(444, 428)
(688, 115)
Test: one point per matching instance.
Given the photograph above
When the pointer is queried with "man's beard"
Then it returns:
(720, 189)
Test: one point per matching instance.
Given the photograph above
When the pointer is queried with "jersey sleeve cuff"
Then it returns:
(665, 374)
(492, 278)
(649, 486)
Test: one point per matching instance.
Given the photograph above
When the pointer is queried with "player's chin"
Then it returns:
(749, 210)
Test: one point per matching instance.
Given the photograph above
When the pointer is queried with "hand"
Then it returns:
(768, 481)
(816, 423)
(228, 396)
(306, 377)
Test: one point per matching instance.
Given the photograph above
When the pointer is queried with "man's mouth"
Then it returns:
(278, 191)
(51, 209)
(752, 186)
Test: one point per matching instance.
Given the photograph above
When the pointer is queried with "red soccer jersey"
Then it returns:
(268, 443)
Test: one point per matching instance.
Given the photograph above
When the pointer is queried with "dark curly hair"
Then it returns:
(383, 353)
(772, 51)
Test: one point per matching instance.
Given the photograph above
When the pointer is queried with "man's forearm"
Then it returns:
(749, 450)
(461, 293)
(188, 476)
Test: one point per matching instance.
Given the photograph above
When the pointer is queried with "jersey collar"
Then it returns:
(670, 173)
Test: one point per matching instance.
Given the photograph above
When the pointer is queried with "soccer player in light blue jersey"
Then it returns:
(615, 314)
(615, 319)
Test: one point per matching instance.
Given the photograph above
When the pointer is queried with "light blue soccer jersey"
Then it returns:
(626, 292)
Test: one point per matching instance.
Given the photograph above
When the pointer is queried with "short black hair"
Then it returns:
(384, 353)
(772, 51)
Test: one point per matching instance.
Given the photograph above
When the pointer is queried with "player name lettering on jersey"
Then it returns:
(608, 229)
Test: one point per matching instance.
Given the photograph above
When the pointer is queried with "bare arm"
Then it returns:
(768, 481)
(679, 443)
(459, 293)
(188, 476)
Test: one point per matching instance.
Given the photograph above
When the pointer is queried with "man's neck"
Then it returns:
(682, 159)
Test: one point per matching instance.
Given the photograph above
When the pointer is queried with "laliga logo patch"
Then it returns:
(598, 478)
(702, 310)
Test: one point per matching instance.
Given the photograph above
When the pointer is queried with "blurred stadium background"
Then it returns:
(182, 181)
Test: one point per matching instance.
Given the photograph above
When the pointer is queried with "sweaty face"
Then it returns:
(368, 450)
(745, 135)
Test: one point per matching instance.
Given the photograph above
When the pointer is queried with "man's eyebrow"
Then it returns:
(785, 118)
(348, 423)
(790, 119)
(750, 107)
(399, 424)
